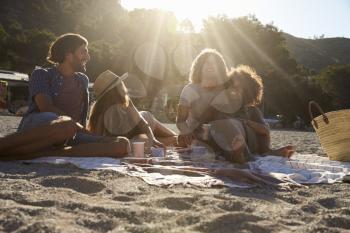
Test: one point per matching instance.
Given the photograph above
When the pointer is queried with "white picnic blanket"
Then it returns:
(302, 168)
(164, 178)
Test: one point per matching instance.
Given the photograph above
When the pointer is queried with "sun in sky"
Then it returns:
(298, 17)
(195, 11)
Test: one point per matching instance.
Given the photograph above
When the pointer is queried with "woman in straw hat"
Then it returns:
(114, 114)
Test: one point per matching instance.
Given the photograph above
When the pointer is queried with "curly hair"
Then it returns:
(198, 62)
(64, 44)
(245, 77)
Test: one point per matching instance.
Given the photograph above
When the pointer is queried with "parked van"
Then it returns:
(14, 90)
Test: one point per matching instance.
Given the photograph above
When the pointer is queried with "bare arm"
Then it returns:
(256, 121)
(186, 135)
(263, 135)
(258, 127)
(45, 104)
(142, 123)
(181, 117)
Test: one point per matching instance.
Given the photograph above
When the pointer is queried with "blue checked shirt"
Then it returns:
(49, 81)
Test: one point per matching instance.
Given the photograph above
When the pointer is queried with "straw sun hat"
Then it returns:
(106, 81)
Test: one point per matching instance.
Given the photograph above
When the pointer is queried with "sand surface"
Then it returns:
(63, 198)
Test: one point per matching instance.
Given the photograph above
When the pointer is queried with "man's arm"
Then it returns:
(44, 103)
(258, 127)
(40, 91)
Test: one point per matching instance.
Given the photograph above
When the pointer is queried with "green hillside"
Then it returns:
(319, 53)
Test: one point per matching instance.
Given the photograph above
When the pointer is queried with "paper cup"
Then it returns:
(206, 129)
(138, 149)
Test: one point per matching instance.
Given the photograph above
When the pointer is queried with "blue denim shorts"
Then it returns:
(40, 118)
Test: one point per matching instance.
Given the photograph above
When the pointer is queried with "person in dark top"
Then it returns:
(248, 84)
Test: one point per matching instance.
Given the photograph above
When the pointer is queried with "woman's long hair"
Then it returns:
(198, 62)
(99, 108)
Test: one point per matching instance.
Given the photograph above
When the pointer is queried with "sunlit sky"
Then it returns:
(301, 18)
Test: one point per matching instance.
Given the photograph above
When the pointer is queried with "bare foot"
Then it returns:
(286, 151)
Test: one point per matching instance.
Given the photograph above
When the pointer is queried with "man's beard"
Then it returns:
(79, 66)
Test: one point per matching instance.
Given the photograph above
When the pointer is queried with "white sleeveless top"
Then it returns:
(119, 120)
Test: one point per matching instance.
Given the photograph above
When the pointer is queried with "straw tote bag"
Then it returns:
(333, 130)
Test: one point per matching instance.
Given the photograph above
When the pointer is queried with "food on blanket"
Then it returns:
(158, 152)
(138, 149)
(198, 150)
(183, 150)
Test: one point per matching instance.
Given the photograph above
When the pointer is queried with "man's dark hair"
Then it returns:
(66, 43)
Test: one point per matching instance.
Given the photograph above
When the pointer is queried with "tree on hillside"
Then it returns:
(25, 49)
(335, 82)
(32, 25)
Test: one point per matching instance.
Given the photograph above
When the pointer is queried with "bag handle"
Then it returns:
(325, 118)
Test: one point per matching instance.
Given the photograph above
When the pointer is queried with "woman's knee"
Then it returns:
(148, 116)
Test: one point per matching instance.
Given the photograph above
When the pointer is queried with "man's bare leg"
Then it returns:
(39, 138)
(118, 148)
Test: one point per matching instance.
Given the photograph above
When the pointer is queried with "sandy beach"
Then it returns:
(63, 198)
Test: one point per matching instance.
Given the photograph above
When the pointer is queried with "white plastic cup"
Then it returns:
(206, 129)
(157, 151)
(138, 149)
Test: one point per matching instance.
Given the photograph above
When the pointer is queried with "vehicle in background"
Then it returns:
(275, 122)
(14, 91)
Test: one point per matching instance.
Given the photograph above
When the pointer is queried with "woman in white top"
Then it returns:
(114, 114)
(207, 90)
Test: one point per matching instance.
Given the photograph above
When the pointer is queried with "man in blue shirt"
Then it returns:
(59, 106)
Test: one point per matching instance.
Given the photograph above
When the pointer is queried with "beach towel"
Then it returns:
(302, 168)
(175, 169)
(159, 175)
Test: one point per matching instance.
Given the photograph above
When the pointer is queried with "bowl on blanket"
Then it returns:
(201, 153)
(198, 150)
